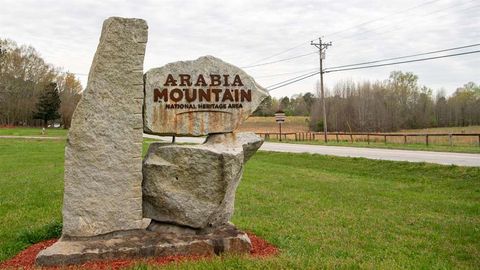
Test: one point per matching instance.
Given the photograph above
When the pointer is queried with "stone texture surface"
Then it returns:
(197, 120)
(136, 244)
(103, 155)
(194, 185)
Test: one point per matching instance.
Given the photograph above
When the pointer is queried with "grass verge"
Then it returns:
(321, 211)
(37, 132)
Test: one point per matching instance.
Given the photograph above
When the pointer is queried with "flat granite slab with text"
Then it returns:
(198, 97)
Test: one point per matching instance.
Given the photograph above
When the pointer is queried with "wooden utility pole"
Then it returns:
(321, 51)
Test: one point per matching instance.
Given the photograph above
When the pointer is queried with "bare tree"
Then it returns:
(23, 77)
(70, 92)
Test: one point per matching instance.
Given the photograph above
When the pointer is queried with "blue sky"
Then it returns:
(66, 34)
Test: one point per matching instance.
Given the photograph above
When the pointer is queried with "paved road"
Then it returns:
(460, 159)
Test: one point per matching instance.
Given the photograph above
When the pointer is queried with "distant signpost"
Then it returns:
(280, 118)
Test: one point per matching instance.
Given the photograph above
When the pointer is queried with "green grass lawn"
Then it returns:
(56, 132)
(49, 132)
(475, 149)
(321, 211)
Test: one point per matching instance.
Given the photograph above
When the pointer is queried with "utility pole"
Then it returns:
(321, 51)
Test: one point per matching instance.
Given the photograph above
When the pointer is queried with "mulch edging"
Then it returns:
(26, 258)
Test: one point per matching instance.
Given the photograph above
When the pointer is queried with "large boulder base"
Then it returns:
(194, 185)
(103, 155)
(159, 240)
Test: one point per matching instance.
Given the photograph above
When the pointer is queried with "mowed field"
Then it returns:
(321, 211)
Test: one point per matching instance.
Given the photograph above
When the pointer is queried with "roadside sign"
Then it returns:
(280, 117)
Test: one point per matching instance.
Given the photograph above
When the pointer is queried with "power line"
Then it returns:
(286, 73)
(305, 76)
(281, 60)
(296, 77)
(381, 18)
(331, 34)
(402, 57)
(300, 79)
(403, 62)
(420, 16)
(276, 54)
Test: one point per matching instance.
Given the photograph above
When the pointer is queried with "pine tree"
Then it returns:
(48, 104)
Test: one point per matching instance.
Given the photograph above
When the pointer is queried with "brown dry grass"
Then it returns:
(433, 140)
(299, 124)
(268, 124)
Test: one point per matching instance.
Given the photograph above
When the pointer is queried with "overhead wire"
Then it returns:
(286, 73)
(406, 56)
(290, 81)
(381, 18)
(419, 17)
(305, 76)
(279, 53)
(403, 62)
(258, 62)
(281, 60)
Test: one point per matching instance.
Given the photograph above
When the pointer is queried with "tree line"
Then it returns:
(33, 92)
(398, 102)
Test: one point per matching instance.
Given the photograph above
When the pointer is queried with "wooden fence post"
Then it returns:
(450, 139)
(404, 139)
(336, 134)
(385, 138)
(351, 137)
(368, 138)
(426, 139)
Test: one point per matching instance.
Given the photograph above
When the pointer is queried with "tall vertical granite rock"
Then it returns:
(103, 155)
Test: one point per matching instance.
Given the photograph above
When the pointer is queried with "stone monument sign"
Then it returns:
(180, 198)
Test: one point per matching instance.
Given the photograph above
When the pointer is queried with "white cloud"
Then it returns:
(242, 32)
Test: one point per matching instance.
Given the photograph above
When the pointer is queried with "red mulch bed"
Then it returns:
(26, 259)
